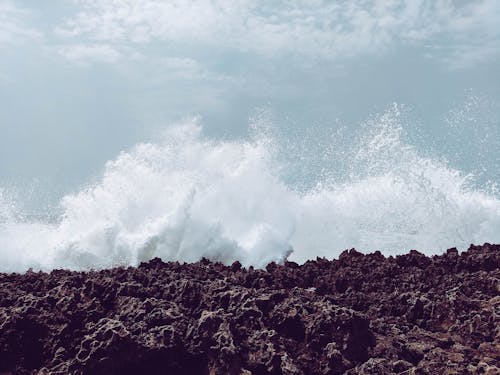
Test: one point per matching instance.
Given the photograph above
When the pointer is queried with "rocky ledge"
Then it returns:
(360, 314)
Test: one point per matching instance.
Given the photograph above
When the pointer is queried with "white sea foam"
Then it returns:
(186, 196)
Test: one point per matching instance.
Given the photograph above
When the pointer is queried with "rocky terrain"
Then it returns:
(360, 314)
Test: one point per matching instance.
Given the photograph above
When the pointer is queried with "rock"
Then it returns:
(360, 314)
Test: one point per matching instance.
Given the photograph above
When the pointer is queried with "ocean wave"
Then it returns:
(257, 200)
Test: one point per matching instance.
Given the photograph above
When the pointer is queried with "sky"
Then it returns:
(81, 80)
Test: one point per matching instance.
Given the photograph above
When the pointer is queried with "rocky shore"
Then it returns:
(360, 314)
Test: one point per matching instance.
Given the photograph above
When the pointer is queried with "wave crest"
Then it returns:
(186, 196)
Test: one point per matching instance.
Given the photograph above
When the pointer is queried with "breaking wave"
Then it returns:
(258, 200)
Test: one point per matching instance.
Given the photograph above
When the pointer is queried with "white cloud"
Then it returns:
(311, 29)
(84, 54)
(13, 24)
(184, 68)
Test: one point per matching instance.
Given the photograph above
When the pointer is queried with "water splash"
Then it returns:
(186, 196)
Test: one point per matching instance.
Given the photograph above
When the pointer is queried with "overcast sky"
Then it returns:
(81, 80)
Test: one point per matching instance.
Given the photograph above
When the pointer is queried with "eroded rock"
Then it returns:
(360, 314)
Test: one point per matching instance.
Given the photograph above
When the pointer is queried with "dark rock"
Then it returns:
(360, 314)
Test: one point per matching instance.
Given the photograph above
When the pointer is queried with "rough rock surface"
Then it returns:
(360, 314)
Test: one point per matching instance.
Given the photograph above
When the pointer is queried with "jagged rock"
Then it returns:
(360, 314)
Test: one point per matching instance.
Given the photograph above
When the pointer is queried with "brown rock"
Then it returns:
(360, 314)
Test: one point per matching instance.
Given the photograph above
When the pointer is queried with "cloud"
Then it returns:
(85, 54)
(182, 67)
(187, 69)
(467, 32)
(14, 27)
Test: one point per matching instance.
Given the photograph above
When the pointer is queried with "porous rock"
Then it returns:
(360, 314)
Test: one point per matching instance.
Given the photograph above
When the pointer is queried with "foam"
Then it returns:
(187, 196)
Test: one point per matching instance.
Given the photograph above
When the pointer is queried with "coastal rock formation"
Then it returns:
(360, 314)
